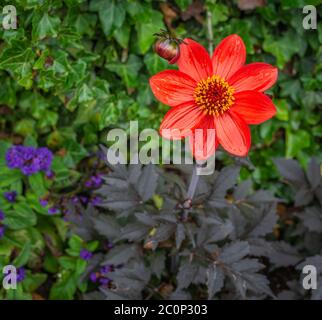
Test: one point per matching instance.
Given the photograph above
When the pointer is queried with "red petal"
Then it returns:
(256, 76)
(203, 142)
(181, 120)
(229, 56)
(194, 60)
(172, 87)
(233, 134)
(253, 107)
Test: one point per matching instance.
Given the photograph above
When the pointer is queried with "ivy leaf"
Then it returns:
(44, 26)
(127, 71)
(155, 63)
(296, 141)
(150, 24)
(111, 14)
(18, 58)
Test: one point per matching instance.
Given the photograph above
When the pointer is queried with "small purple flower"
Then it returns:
(10, 196)
(108, 245)
(83, 199)
(43, 202)
(95, 201)
(104, 281)
(94, 182)
(85, 254)
(2, 230)
(106, 269)
(93, 277)
(1, 215)
(53, 210)
(21, 274)
(88, 184)
(75, 199)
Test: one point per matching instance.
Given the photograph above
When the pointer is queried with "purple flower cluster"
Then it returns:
(83, 199)
(29, 160)
(2, 227)
(10, 196)
(94, 182)
(102, 276)
(85, 254)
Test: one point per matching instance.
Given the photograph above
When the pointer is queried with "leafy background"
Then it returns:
(75, 69)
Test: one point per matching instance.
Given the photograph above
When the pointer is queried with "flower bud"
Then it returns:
(167, 49)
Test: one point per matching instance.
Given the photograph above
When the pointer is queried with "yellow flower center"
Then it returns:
(214, 95)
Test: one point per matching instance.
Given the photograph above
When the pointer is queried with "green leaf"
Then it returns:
(85, 95)
(65, 287)
(44, 26)
(282, 109)
(9, 176)
(127, 71)
(23, 256)
(18, 59)
(34, 281)
(296, 142)
(111, 14)
(183, 4)
(30, 141)
(122, 35)
(75, 150)
(22, 216)
(155, 64)
(152, 23)
(219, 13)
(36, 182)
(284, 48)
(68, 263)
(80, 266)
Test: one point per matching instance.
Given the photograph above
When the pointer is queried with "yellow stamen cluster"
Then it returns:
(214, 95)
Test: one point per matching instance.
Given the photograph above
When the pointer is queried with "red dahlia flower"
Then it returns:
(219, 93)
